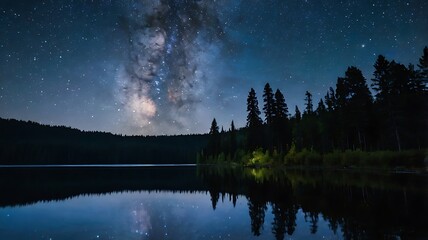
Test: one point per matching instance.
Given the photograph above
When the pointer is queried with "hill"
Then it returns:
(26, 142)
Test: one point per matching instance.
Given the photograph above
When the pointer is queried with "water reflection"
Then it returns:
(210, 202)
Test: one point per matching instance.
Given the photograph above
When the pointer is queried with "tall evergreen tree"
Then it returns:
(321, 108)
(308, 103)
(354, 101)
(233, 142)
(254, 122)
(282, 129)
(380, 81)
(253, 117)
(423, 66)
(297, 114)
(213, 147)
(296, 128)
(280, 107)
(269, 104)
(214, 127)
(330, 99)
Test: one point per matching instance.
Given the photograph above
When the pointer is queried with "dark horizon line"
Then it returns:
(95, 131)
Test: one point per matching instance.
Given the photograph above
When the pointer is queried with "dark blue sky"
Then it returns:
(169, 67)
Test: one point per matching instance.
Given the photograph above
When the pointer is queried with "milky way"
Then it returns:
(171, 66)
(171, 47)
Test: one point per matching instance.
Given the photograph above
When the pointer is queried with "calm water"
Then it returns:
(210, 203)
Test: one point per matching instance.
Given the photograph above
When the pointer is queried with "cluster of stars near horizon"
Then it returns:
(87, 64)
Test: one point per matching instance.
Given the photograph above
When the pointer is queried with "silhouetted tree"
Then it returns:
(269, 104)
(330, 99)
(321, 108)
(233, 141)
(213, 147)
(254, 122)
(380, 81)
(214, 127)
(296, 128)
(253, 117)
(297, 115)
(282, 128)
(423, 66)
(354, 102)
(280, 107)
(308, 103)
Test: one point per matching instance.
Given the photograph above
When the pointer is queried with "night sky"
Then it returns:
(170, 66)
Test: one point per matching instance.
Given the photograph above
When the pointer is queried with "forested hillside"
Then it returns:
(32, 143)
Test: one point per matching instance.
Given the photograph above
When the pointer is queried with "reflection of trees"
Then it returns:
(278, 224)
(284, 220)
(313, 220)
(354, 205)
(257, 209)
(290, 219)
(214, 198)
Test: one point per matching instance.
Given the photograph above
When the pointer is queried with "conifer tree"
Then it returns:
(269, 104)
(380, 81)
(297, 115)
(330, 99)
(308, 103)
(233, 142)
(214, 127)
(321, 108)
(280, 108)
(423, 66)
(253, 117)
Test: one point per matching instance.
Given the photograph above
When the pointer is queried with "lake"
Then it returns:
(189, 202)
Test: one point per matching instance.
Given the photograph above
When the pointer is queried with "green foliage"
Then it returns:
(260, 157)
(290, 157)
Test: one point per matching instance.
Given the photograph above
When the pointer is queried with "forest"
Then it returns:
(352, 125)
(386, 125)
(24, 142)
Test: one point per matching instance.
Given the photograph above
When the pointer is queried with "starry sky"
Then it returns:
(157, 67)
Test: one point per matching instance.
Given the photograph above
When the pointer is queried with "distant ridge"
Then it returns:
(27, 142)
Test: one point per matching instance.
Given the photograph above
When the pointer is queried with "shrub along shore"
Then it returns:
(387, 159)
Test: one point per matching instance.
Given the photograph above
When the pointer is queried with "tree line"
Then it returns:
(348, 117)
(24, 142)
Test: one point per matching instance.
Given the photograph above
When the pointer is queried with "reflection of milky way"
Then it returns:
(171, 44)
(141, 220)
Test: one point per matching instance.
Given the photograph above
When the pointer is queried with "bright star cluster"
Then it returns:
(170, 66)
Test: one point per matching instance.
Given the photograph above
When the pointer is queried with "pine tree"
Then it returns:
(380, 81)
(282, 130)
(309, 106)
(280, 108)
(354, 100)
(330, 100)
(214, 127)
(269, 104)
(232, 127)
(213, 147)
(321, 108)
(233, 142)
(297, 115)
(423, 66)
(253, 117)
